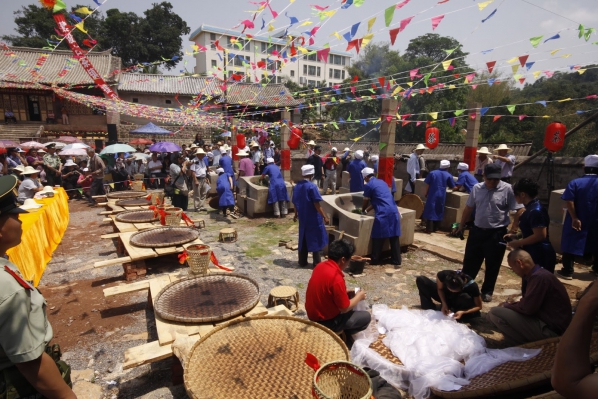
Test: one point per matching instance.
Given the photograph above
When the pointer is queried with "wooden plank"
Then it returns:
(125, 288)
(111, 235)
(168, 250)
(105, 220)
(136, 253)
(112, 262)
(146, 353)
(143, 226)
(166, 329)
(259, 310)
(99, 196)
(106, 213)
(115, 208)
(101, 203)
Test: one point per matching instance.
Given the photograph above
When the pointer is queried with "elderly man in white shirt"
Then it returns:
(415, 165)
(200, 183)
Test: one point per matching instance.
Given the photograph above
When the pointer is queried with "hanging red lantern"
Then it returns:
(432, 137)
(241, 140)
(554, 138)
(295, 138)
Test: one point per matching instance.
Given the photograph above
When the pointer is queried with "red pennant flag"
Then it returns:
(293, 50)
(381, 81)
(490, 66)
(522, 60)
(496, 117)
(428, 123)
(218, 46)
(393, 35)
(405, 123)
(521, 80)
(456, 75)
(261, 64)
(355, 79)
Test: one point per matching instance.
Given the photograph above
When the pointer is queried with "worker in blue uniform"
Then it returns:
(224, 187)
(465, 181)
(580, 230)
(437, 181)
(226, 163)
(311, 216)
(354, 169)
(277, 190)
(387, 220)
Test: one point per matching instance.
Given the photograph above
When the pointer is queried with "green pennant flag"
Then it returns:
(333, 99)
(449, 52)
(388, 14)
(382, 145)
(349, 118)
(589, 33)
(459, 112)
(358, 3)
(511, 108)
(373, 91)
(61, 6)
(335, 125)
(536, 40)
(80, 191)
(428, 76)
(581, 30)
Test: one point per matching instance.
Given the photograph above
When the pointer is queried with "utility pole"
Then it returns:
(388, 127)
(285, 151)
(472, 137)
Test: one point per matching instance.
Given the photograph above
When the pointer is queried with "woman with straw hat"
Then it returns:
(480, 163)
(30, 184)
(506, 162)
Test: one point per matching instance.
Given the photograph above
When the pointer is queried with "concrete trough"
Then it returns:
(253, 198)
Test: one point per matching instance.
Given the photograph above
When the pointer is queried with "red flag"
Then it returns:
(393, 35)
(522, 60)
(490, 66)
(496, 117)
(355, 79)
(382, 81)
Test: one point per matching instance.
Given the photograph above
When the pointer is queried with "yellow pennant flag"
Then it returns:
(553, 52)
(485, 4)
(357, 139)
(517, 76)
(452, 87)
(410, 84)
(270, 28)
(581, 71)
(512, 60)
(81, 27)
(396, 91)
(335, 34)
(302, 49)
(446, 64)
(434, 115)
(537, 73)
(328, 13)
(563, 100)
(306, 23)
(83, 10)
(514, 68)
(377, 120)
(566, 55)
(371, 23)
(366, 39)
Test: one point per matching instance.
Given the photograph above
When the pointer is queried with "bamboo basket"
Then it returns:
(199, 258)
(137, 185)
(173, 216)
(157, 196)
(139, 176)
(341, 380)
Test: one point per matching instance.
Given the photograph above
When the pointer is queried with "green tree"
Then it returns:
(122, 32)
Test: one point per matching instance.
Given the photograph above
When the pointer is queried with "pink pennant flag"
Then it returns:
(522, 117)
(591, 97)
(393, 35)
(401, 5)
(470, 77)
(323, 54)
(549, 73)
(247, 24)
(473, 116)
(320, 8)
(404, 23)
(413, 73)
(450, 68)
(474, 86)
(418, 123)
(436, 21)
(432, 79)
(353, 90)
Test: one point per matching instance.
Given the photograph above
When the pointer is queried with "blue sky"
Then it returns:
(507, 32)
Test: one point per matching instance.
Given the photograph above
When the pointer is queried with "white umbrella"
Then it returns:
(141, 155)
(58, 145)
(32, 144)
(116, 148)
(74, 152)
(78, 146)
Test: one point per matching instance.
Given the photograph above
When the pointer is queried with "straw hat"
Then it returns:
(48, 189)
(311, 142)
(200, 151)
(242, 153)
(347, 149)
(484, 150)
(503, 147)
(253, 144)
(30, 204)
(70, 162)
(29, 170)
(20, 168)
(420, 147)
(225, 148)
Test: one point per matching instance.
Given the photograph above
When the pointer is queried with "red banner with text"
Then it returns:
(64, 29)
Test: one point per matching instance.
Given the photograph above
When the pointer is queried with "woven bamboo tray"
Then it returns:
(133, 202)
(260, 357)
(208, 298)
(164, 237)
(126, 194)
(145, 216)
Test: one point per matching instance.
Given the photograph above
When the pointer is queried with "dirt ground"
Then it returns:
(94, 331)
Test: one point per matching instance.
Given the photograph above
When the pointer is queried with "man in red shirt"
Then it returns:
(327, 299)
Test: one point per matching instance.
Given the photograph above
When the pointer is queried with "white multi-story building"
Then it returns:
(307, 70)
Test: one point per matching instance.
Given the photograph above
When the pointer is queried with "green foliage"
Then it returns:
(136, 39)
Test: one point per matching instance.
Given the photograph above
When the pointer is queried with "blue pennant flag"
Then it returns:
(491, 81)
(557, 36)
(263, 24)
(528, 65)
(293, 19)
(347, 4)
(97, 2)
(76, 18)
(354, 30)
(489, 16)
(487, 51)
(541, 102)
(347, 36)
(579, 112)
(364, 122)
(341, 120)
(483, 110)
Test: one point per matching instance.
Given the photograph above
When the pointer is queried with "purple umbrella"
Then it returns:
(164, 146)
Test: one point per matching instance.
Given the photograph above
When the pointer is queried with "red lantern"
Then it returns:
(295, 138)
(432, 137)
(554, 139)
(241, 140)
(285, 159)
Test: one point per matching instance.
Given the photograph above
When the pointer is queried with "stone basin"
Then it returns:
(253, 198)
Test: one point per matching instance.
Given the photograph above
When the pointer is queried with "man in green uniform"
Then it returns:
(53, 166)
(25, 367)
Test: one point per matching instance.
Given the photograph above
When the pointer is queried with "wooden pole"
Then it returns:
(233, 143)
(472, 137)
(285, 134)
(388, 129)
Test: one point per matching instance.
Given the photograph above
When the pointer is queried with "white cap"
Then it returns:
(444, 164)
(591, 161)
(374, 158)
(334, 149)
(269, 160)
(462, 166)
(359, 154)
(365, 172)
(307, 170)
(219, 170)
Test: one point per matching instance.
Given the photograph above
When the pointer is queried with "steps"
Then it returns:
(19, 131)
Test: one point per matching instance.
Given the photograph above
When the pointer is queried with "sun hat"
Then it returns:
(503, 147)
(365, 172)
(484, 150)
(253, 144)
(591, 161)
(311, 142)
(445, 164)
(225, 148)
(374, 158)
(359, 154)
(70, 162)
(219, 170)
(19, 149)
(307, 170)
(20, 168)
(30, 204)
(40, 150)
(462, 166)
(492, 171)
(347, 149)
(242, 153)
(193, 146)
(420, 147)
(29, 170)
(48, 189)
(200, 151)
(269, 160)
